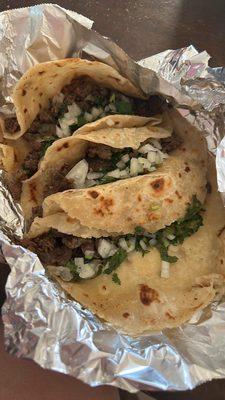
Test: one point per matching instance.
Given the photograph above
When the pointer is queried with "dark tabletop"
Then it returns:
(141, 28)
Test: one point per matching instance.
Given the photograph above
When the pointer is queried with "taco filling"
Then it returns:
(79, 103)
(79, 258)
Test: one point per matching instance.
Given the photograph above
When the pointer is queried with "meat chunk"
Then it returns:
(58, 181)
(99, 150)
(14, 182)
(145, 108)
(82, 87)
(72, 242)
(88, 245)
(31, 161)
(11, 125)
(171, 143)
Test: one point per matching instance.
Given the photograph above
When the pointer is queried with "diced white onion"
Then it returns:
(114, 174)
(74, 110)
(151, 156)
(79, 261)
(106, 248)
(156, 143)
(124, 173)
(134, 167)
(125, 158)
(152, 242)
(78, 173)
(109, 121)
(165, 269)
(143, 245)
(96, 112)
(58, 98)
(65, 274)
(94, 175)
(171, 237)
(60, 133)
(146, 148)
(88, 270)
(127, 244)
(121, 165)
(90, 183)
(158, 158)
(89, 254)
(88, 116)
(112, 107)
(146, 164)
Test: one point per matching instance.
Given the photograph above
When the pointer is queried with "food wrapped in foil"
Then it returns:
(40, 322)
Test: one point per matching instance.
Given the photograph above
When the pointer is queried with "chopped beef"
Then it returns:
(88, 245)
(49, 249)
(99, 150)
(14, 182)
(11, 125)
(82, 87)
(58, 181)
(171, 143)
(37, 211)
(152, 106)
(31, 161)
(72, 242)
(96, 164)
(46, 116)
(57, 248)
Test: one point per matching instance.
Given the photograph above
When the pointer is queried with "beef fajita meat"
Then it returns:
(79, 89)
(152, 106)
(99, 150)
(56, 248)
(171, 143)
(31, 161)
(11, 125)
(58, 182)
(14, 182)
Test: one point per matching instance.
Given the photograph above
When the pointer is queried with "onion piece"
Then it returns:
(146, 148)
(143, 245)
(125, 158)
(165, 269)
(88, 270)
(156, 144)
(121, 164)
(114, 174)
(109, 121)
(96, 112)
(106, 249)
(127, 244)
(88, 116)
(94, 175)
(78, 173)
(134, 167)
(61, 134)
(74, 110)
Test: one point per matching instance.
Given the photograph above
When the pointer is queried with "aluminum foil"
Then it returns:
(40, 322)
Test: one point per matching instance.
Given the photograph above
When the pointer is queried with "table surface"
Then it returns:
(141, 28)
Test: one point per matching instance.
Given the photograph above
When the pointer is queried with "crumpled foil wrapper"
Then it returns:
(40, 322)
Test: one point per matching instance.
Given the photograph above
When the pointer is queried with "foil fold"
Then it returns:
(40, 322)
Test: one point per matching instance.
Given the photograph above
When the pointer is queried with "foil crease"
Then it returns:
(40, 322)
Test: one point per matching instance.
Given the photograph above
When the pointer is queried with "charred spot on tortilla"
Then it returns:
(41, 94)
(178, 194)
(63, 146)
(187, 169)
(33, 191)
(169, 201)
(221, 231)
(126, 315)
(158, 184)
(139, 197)
(148, 295)
(25, 110)
(179, 175)
(41, 72)
(24, 92)
(93, 194)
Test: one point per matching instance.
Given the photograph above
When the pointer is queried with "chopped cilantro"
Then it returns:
(124, 107)
(139, 230)
(106, 179)
(99, 101)
(73, 269)
(112, 98)
(80, 122)
(47, 143)
(163, 250)
(116, 279)
(115, 261)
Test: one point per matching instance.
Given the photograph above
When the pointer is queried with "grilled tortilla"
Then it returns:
(138, 300)
(42, 82)
(115, 131)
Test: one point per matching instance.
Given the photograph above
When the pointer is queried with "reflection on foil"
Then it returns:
(40, 322)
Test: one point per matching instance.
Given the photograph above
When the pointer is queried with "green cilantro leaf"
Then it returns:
(115, 261)
(116, 279)
(124, 107)
(47, 143)
(139, 230)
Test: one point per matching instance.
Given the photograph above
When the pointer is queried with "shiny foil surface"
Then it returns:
(40, 322)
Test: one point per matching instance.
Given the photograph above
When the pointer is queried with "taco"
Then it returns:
(144, 281)
(99, 153)
(53, 99)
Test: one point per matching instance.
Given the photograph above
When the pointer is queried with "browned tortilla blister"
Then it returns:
(59, 334)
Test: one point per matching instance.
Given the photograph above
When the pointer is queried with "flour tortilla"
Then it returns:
(43, 81)
(144, 301)
(116, 130)
(151, 201)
